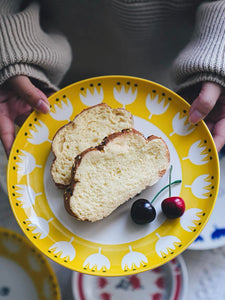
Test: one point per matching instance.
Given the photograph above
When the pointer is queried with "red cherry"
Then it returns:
(173, 207)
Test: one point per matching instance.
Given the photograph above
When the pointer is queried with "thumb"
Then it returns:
(29, 93)
(7, 133)
(205, 101)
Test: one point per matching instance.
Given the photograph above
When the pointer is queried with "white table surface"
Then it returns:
(206, 268)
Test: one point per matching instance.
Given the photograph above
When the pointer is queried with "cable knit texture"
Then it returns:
(177, 43)
(26, 49)
(203, 59)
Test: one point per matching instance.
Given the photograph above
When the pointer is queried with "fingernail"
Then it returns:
(195, 117)
(42, 106)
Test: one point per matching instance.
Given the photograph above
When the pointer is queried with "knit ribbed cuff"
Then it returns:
(197, 78)
(204, 57)
(31, 72)
(9, 6)
(25, 46)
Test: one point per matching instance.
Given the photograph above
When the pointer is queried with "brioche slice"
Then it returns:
(87, 130)
(108, 175)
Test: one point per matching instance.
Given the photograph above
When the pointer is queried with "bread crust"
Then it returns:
(83, 111)
(69, 190)
(60, 185)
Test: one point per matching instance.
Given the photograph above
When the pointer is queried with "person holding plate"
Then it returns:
(46, 45)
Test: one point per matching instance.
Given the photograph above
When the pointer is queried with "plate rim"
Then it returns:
(220, 243)
(28, 244)
(183, 269)
(99, 78)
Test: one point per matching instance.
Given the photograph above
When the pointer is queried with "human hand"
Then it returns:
(18, 97)
(209, 105)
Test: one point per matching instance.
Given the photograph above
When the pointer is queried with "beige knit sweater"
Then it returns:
(176, 43)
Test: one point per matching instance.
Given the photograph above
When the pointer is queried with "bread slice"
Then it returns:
(87, 130)
(108, 175)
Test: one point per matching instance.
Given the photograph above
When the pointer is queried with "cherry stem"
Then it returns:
(171, 168)
(168, 185)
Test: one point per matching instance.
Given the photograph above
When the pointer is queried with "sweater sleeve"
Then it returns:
(25, 49)
(203, 59)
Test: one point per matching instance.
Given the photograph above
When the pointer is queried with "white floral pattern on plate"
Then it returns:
(38, 226)
(44, 226)
(166, 244)
(62, 113)
(190, 219)
(155, 106)
(181, 126)
(27, 163)
(92, 98)
(63, 249)
(97, 261)
(200, 186)
(40, 135)
(197, 153)
(213, 235)
(27, 195)
(133, 260)
(124, 96)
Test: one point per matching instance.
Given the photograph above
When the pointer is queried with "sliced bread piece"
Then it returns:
(87, 130)
(108, 175)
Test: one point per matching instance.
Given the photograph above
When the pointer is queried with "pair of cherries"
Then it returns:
(143, 212)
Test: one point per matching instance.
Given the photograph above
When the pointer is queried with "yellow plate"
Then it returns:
(25, 273)
(114, 246)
